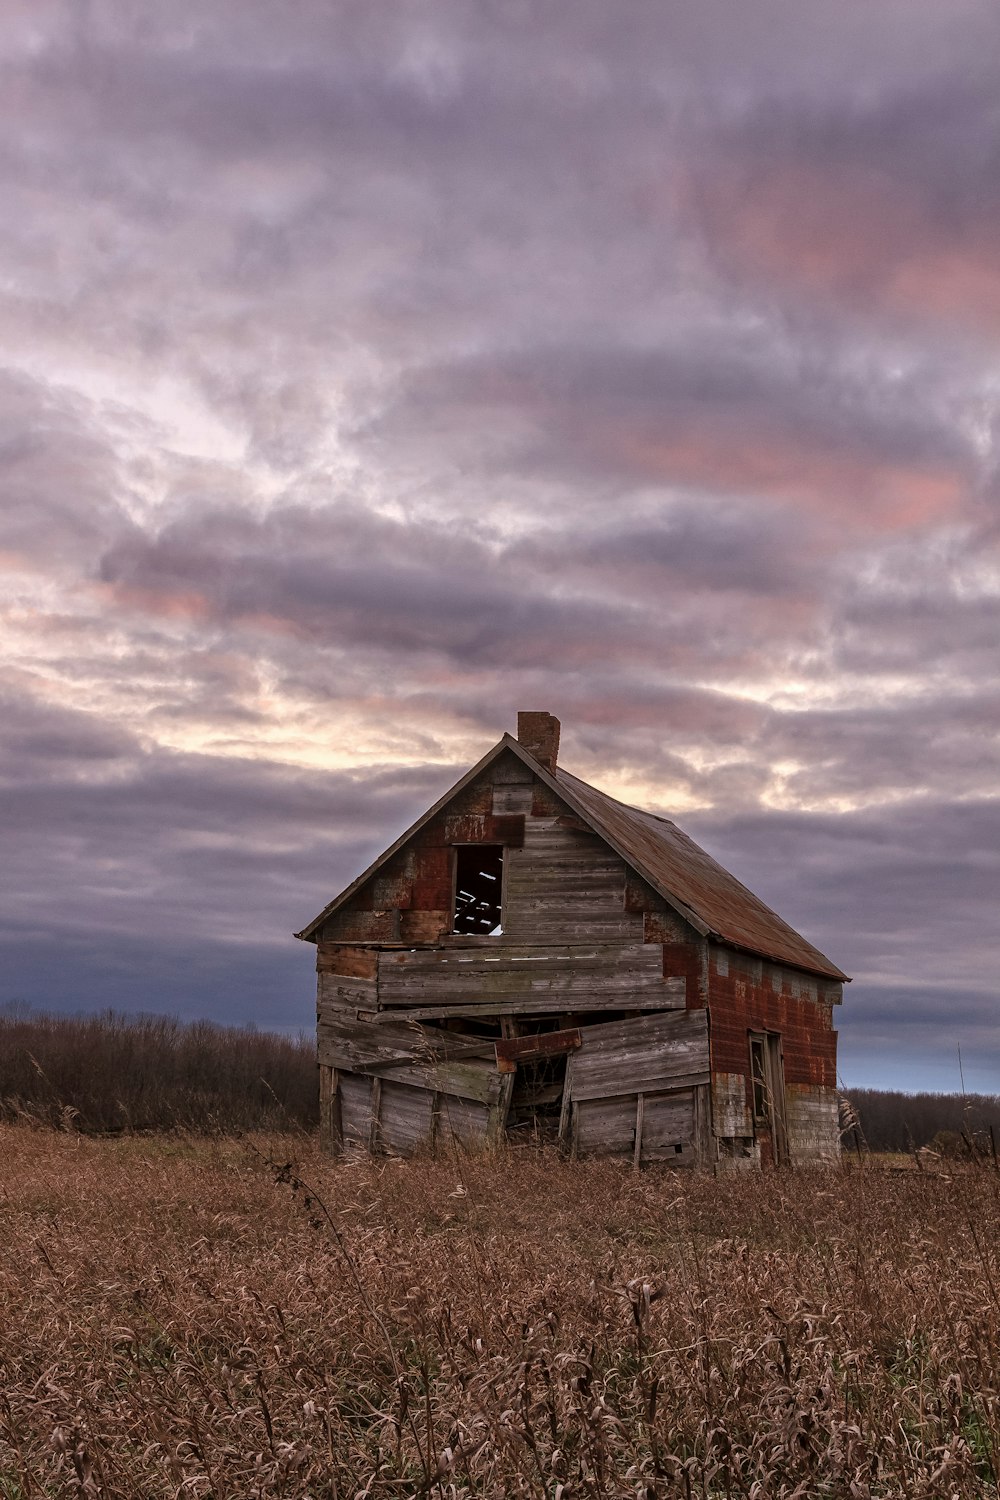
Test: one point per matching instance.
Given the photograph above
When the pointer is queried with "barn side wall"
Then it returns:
(748, 994)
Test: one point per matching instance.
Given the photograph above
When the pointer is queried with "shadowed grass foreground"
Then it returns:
(181, 1319)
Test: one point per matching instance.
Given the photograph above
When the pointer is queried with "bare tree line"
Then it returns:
(893, 1121)
(113, 1073)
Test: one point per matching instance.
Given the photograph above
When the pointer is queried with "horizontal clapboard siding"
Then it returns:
(400, 1053)
(334, 992)
(565, 883)
(667, 1123)
(406, 1117)
(530, 977)
(646, 1054)
(812, 1122)
(608, 1126)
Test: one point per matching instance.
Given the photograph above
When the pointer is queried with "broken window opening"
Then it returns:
(478, 889)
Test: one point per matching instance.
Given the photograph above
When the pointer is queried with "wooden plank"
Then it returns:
(567, 977)
(500, 1111)
(390, 1039)
(669, 1120)
(425, 926)
(605, 1127)
(512, 798)
(644, 1054)
(541, 1005)
(565, 1116)
(564, 880)
(330, 1134)
(639, 1112)
(512, 1050)
(475, 1080)
(467, 1121)
(812, 1124)
(355, 1103)
(407, 1117)
(346, 959)
(510, 957)
(620, 1081)
(335, 992)
(459, 1066)
(730, 1111)
(703, 1142)
(374, 1108)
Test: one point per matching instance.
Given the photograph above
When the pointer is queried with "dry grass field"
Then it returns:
(178, 1319)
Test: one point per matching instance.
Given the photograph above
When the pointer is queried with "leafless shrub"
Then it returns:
(113, 1073)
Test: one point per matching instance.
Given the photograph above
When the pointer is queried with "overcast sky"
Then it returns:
(371, 370)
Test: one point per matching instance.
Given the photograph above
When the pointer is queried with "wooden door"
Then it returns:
(767, 1076)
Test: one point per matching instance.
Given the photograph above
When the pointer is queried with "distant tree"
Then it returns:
(893, 1121)
(113, 1072)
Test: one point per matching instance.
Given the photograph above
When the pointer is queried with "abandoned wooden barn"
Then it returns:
(536, 960)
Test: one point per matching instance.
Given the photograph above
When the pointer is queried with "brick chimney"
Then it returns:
(539, 734)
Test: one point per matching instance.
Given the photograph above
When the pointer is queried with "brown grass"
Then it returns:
(179, 1319)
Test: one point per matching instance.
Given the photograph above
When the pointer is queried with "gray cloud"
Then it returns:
(372, 372)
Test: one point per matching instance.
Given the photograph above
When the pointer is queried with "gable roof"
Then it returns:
(715, 903)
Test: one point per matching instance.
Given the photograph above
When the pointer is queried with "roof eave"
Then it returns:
(829, 972)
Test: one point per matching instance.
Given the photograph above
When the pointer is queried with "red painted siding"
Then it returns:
(757, 996)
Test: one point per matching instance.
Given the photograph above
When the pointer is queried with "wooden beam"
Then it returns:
(376, 1110)
(565, 1115)
(640, 1107)
(542, 1003)
(501, 1109)
(512, 1050)
(330, 1129)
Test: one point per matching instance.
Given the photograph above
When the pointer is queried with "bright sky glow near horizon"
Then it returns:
(370, 371)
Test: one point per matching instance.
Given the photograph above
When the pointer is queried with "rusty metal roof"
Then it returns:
(691, 880)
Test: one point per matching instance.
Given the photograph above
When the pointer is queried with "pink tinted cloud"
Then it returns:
(861, 235)
(874, 493)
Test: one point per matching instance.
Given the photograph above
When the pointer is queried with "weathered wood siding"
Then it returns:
(731, 1114)
(636, 1087)
(355, 1109)
(514, 978)
(645, 1054)
(562, 884)
(396, 1051)
(664, 1130)
(406, 1119)
(813, 1125)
